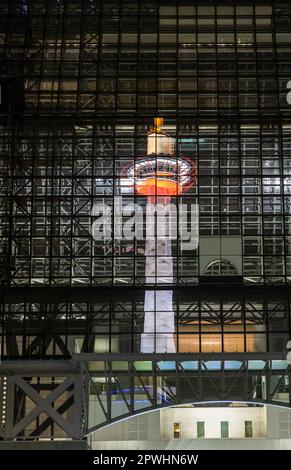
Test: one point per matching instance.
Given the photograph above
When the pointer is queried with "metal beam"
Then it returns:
(42, 405)
(156, 357)
(39, 368)
(103, 293)
(193, 383)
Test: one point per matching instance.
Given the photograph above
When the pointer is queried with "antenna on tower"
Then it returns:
(157, 127)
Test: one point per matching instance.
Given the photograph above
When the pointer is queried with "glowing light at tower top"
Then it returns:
(160, 173)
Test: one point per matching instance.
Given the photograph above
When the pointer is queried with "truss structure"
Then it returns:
(92, 391)
(84, 80)
(231, 318)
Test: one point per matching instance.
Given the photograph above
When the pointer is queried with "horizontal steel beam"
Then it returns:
(65, 366)
(156, 357)
(45, 295)
(39, 367)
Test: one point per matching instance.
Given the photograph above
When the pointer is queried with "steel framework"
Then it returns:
(43, 323)
(85, 79)
(98, 389)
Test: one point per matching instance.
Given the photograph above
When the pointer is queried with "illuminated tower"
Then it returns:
(160, 176)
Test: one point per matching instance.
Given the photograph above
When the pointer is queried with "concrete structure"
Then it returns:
(271, 429)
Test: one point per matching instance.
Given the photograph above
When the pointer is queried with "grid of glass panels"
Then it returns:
(94, 75)
(164, 56)
(62, 328)
(60, 176)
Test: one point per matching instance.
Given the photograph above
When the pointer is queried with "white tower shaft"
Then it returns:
(159, 324)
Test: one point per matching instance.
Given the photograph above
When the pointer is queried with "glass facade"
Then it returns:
(80, 84)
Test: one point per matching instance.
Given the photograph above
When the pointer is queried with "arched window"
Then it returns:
(220, 267)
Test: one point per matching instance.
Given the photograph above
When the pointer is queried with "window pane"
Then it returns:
(224, 429)
(200, 429)
(248, 429)
(176, 430)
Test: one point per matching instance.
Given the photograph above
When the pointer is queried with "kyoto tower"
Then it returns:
(160, 177)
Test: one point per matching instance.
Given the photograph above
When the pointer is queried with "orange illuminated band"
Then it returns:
(161, 176)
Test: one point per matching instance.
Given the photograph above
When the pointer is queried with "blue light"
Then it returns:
(24, 7)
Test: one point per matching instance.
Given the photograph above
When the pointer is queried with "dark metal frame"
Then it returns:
(88, 103)
(50, 171)
(44, 323)
(126, 386)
